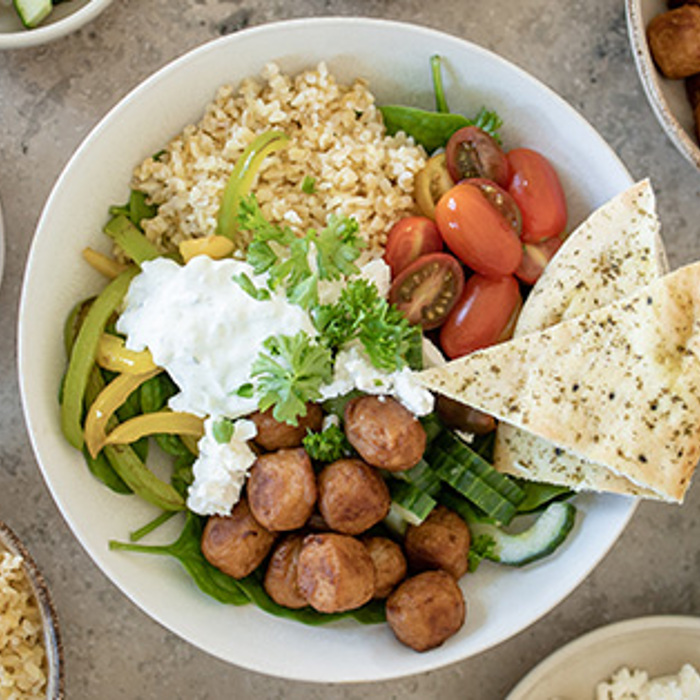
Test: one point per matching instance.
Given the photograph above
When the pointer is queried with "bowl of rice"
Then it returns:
(176, 139)
(31, 663)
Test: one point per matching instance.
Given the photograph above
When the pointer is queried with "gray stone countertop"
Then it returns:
(50, 98)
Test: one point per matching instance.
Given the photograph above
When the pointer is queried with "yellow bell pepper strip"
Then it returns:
(82, 356)
(106, 403)
(216, 247)
(141, 480)
(109, 267)
(128, 237)
(190, 442)
(242, 176)
(169, 422)
(112, 355)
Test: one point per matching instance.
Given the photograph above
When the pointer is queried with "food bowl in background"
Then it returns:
(668, 98)
(395, 59)
(9, 542)
(66, 17)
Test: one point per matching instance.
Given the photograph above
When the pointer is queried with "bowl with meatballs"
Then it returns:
(665, 38)
(242, 442)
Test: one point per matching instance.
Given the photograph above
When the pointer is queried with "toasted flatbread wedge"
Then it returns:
(619, 386)
(613, 253)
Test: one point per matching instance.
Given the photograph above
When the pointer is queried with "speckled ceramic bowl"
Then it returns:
(52, 638)
(668, 98)
(65, 18)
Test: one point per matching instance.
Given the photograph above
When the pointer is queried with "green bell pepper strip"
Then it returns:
(241, 179)
(82, 357)
(130, 239)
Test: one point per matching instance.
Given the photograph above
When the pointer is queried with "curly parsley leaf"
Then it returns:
(337, 248)
(328, 445)
(289, 373)
(361, 313)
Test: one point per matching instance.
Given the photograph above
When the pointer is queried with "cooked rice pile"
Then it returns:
(22, 656)
(635, 684)
(336, 137)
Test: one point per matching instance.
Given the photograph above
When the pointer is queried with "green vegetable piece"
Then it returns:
(483, 547)
(73, 322)
(130, 239)
(33, 12)
(142, 481)
(440, 99)
(139, 209)
(83, 355)
(328, 445)
(149, 527)
(538, 495)
(241, 179)
(248, 286)
(431, 130)
(101, 469)
(413, 504)
(422, 476)
(222, 431)
(308, 186)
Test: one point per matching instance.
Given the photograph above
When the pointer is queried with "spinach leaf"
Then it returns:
(431, 130)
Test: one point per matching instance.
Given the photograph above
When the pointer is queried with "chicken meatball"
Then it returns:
(384, 433)
(389, 564)
(426, 609)
(282, 489)
(441, 541)
(352, 496)
(236, 543)
(335, 572)
(274, 435)
(281, 575)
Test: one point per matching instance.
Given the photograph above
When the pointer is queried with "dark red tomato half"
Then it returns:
(427, 290)
(535, 186)
(476, 232)
(536, 257)
(408, 239)
(471, 152)
(484, 315)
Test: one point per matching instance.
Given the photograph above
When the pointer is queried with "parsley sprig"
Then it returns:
(328, 445)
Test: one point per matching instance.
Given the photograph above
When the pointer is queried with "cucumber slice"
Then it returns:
(33, 12)
(544, 536)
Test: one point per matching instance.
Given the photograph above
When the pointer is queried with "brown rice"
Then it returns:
(22, 655)
(337, 137)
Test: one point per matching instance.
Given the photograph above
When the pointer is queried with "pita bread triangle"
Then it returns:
(618, 386)
(621, 241)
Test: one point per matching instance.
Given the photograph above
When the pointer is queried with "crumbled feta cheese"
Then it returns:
(221, 469)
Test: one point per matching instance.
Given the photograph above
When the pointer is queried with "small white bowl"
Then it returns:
(52, 638)
(668, 98)
(65, 18)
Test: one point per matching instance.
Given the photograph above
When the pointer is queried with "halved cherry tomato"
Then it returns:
(408, 239)
(535, 258)
(427, 290)
(501, 200)
(535, 186)
(431, 182)
(476, 232)
(484, 315)
(471, 152)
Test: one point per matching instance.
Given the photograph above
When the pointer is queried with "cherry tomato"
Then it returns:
(408, 239)
(535, 186)
(427, 290)
(432, 181)
(471, 152)
(484, 315)
(535, 258)
(476, 232)
(502, 201)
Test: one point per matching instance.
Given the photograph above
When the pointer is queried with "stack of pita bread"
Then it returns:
(599, 389)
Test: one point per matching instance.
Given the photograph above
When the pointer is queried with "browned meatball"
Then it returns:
(274, 435)
(282, 489)
(236, 544)
(281, 575)
(441, 541)
(385, 434)
(352, 496)
(674, 41)
(335, 572)
(389, 564)
(459, 416)
(426, 609)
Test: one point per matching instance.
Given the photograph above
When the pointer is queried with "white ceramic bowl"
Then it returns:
(395, 59)
(65, 18)
(667, 98)
(51, 632)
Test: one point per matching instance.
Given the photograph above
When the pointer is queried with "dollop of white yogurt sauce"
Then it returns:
(221, 469)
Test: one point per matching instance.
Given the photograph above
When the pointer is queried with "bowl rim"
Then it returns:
(53, 645)
(651, 82)
(26, 38)
(618, 173)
